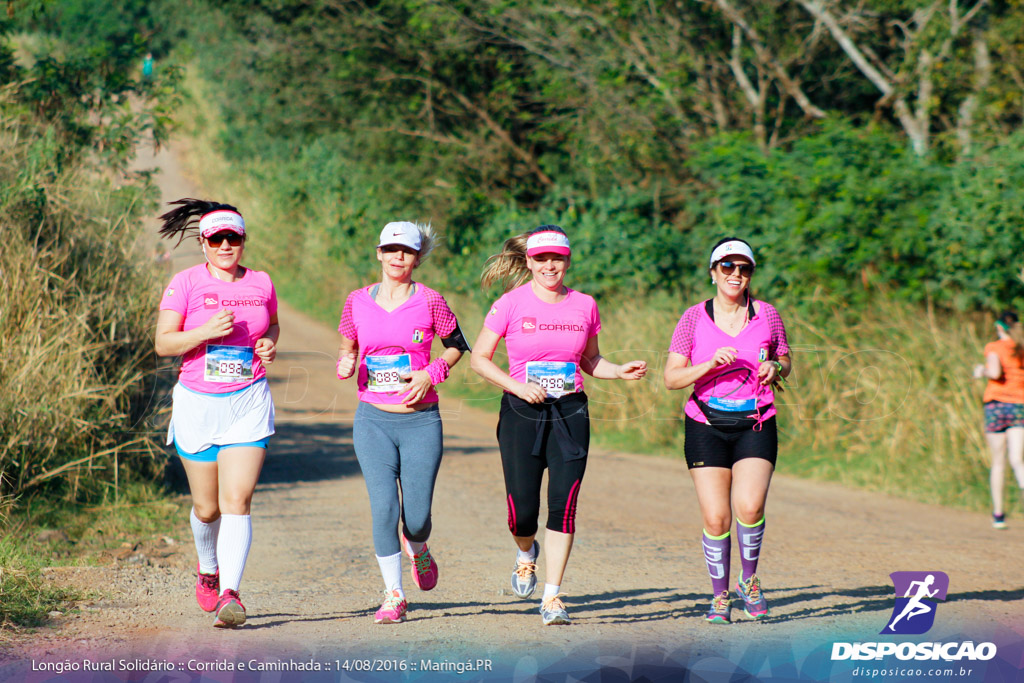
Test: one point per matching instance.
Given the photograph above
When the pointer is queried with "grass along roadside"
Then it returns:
(881, 396)
(42, 536)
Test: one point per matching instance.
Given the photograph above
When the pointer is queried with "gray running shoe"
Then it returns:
(524, 577)
(552, 611)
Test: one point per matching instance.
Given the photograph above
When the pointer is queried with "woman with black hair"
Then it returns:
(1004, 407)
(550, 334)
(222, 319)
(732, 348)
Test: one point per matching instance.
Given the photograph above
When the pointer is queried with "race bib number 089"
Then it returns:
(556, 378)
(225, 364)
(384, 373)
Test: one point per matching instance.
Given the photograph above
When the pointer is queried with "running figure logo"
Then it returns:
(916, 596)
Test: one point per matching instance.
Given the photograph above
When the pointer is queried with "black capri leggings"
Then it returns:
(531, 436)
(707, 446)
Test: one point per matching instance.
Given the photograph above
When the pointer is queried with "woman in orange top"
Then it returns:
(1004, 407)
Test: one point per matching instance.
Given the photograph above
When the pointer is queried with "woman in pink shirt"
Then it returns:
(732, 348)
(550, 334)
(386, 332)
(222, 319)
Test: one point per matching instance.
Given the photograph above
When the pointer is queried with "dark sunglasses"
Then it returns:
(728, 268)
(233, 238)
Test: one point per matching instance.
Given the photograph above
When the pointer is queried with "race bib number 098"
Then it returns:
(225, 364)
(384, 373)
(556, 378)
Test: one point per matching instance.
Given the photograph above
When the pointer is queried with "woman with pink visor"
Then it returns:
(732, 348)
(222, 319)
(550, 334)
(386, 332)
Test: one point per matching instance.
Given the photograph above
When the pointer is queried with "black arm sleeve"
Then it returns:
(456, 340)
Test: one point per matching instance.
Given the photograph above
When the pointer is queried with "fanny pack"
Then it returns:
(728, 420)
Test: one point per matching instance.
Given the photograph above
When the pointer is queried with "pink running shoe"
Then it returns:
(230, 610)
(424, 569)
(207, 590)
(393, 610)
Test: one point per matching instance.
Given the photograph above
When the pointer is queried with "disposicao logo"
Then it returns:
(529, 325)
(210, 300)
(914, 612)
(917, 594)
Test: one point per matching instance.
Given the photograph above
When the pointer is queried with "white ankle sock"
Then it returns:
(550, 591)
(205, 535)
(233, 544)
(415, 546)
(391, 570)
(525, 556)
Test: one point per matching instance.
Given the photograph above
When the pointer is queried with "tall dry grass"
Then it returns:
(76, 309)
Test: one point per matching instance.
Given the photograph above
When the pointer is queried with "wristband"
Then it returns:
(438, 371)
(778, 367)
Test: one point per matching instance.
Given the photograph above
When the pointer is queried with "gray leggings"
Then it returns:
(402, 446)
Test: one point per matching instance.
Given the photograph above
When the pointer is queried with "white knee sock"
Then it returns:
(391, 570)
(205, 535)
(232, 549)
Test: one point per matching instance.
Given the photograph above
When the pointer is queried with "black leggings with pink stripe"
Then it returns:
(553, 435)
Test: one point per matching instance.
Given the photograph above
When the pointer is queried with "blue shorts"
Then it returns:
(1001, 416)
(210, 454)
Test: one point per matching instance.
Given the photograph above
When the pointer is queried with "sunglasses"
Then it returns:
(233, 238)
(729, 267)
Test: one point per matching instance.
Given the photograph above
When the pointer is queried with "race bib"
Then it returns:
(554, 377)
(733, 405)
(225, 364)
(384, 373)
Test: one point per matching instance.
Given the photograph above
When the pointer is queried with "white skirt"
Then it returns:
(199, 421)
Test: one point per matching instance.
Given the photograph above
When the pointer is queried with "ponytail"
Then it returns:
(428, 238)
(509, 266)
(184, 219)
(1010, 323)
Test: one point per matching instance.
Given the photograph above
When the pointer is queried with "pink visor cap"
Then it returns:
(731, 248)
(548, 241)
(221, 220)
(403, 233)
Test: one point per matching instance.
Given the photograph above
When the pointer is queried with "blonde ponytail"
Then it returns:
(508, 266)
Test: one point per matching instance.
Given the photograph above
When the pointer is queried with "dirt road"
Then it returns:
(637, 585)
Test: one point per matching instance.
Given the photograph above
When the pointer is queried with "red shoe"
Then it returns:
(230, 610)
(424, 569)
(207, 590)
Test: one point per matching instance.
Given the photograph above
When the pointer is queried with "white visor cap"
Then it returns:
(731, 248)
(221, 220)
(401, 232)
(547, 241)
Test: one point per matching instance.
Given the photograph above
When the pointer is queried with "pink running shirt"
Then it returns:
(198, 295)
(698, 337)
(539, 331)
(409, 329)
